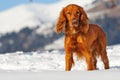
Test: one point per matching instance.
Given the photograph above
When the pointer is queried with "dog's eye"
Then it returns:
(69, 13)
(80, 14)
(77, 12)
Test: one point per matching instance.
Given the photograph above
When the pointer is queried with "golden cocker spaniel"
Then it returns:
(83, 39)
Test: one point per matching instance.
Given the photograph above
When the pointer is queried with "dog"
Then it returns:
(83, 39)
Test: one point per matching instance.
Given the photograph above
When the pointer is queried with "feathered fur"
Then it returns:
(84, 39)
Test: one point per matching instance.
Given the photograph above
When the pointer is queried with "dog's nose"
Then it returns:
(74, 22)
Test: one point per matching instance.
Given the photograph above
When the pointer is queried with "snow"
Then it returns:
(45, 65)
(52, 60)
(59, 43)
(61, 75)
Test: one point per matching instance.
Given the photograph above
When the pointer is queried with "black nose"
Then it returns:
(74, 22)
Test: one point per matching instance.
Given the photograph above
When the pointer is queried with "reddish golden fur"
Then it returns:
(86, 40)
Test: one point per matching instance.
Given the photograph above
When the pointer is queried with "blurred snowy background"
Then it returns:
(31, 26)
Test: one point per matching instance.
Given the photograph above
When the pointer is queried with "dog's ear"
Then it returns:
(83, 15)
(84, 21)
(61, 23)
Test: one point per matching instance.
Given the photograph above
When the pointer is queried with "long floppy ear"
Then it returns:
(84, 15)
(84, 21)
(61, 23)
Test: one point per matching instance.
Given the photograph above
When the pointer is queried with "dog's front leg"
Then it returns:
(89, 60)
(69, 60)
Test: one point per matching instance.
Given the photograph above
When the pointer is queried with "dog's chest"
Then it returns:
(75, 42)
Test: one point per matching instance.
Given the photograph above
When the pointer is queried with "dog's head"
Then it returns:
(72, 19)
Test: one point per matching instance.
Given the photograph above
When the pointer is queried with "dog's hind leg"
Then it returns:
(94, 61)
(105, 59)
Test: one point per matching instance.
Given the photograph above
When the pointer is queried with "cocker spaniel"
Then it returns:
(83, 39)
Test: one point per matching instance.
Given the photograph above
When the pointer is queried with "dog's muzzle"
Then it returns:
(75, 22)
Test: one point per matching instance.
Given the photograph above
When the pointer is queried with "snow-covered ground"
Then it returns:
(62, 75)
(49, 65)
